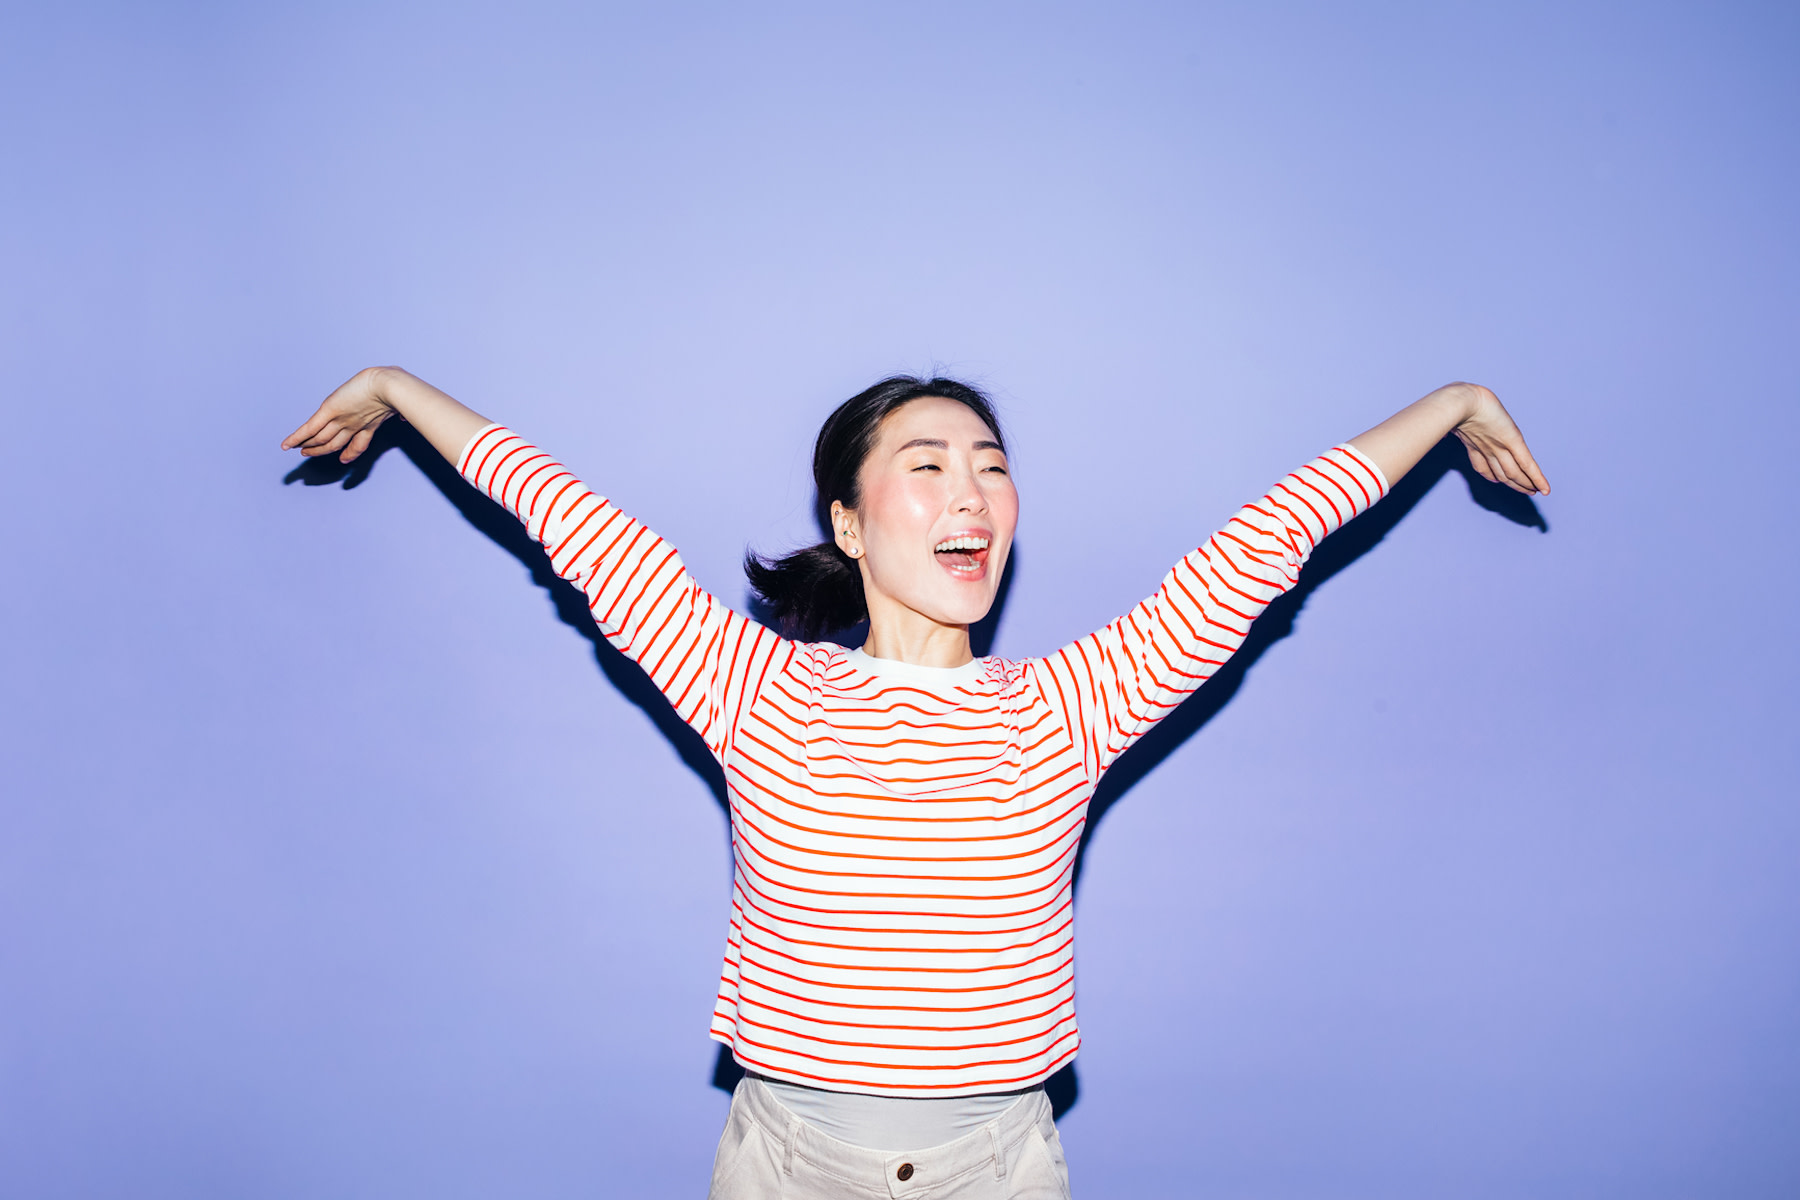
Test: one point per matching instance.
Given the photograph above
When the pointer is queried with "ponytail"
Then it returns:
(810, 592)
(819, 590)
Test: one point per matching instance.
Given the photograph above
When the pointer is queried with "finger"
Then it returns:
(1515, 475)
(1479, 461)
(336, 442)
(1500, 475)
(321, 437)
(305, 433)
(1532, 471)
(358, 444)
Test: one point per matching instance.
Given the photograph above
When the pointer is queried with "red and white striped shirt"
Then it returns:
(902, 913)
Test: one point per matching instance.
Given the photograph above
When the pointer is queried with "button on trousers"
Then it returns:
(768, 1153)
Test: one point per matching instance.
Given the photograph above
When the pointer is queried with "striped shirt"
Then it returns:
(902, 908)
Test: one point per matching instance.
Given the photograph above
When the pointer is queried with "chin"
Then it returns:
(964, 613)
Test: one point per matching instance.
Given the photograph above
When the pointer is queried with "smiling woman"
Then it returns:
(913, 483)
(898, 975)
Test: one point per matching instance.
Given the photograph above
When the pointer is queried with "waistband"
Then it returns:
(888, 1121)
(892, 1172)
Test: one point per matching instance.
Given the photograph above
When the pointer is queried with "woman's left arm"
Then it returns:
(1475, 415)
(1117, 682)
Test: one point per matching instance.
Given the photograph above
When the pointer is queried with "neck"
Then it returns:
(902, 635)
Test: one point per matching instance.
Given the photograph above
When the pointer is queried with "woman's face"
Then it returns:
(937, 514)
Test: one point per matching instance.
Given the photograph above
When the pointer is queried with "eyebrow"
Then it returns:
(941, 444)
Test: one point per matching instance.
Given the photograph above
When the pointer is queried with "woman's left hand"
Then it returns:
(1476, 416)
(1496, 448)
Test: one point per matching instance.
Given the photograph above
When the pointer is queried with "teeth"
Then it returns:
(962, 543)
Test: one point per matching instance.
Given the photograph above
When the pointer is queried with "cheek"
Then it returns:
(1004, 505)
(897, 514)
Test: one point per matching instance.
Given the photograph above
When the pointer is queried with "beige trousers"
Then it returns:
(768, 1153)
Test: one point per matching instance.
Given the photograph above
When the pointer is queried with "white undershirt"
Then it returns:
(891, 1122)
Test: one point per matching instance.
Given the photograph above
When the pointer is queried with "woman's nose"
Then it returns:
(968, 496)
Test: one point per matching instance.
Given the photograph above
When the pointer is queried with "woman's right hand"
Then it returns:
(348, 418)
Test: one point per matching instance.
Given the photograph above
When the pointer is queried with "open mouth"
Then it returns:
(964, 556)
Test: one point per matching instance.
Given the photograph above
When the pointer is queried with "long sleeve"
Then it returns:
(707, 659)
(1116, 683)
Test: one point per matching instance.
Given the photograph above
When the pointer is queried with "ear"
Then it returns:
(845, 531)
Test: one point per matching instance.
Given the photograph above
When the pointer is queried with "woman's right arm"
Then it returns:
(707, 659)
(346, 423)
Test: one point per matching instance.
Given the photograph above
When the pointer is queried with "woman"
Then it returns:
(899, 970)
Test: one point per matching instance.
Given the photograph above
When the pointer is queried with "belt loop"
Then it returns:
(793, 1135)
(999, 1153)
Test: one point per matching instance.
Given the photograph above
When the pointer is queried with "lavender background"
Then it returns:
(334, 864)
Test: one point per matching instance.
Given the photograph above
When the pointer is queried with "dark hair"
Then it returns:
(819, 589)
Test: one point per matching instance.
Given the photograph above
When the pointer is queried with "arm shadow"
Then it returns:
(566, 599)
(1278, 621)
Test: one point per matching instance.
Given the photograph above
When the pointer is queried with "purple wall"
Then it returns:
(333, 864)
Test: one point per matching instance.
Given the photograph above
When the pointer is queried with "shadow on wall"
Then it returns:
(506, 532)
(1276, 623)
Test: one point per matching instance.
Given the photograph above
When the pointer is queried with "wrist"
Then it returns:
(1459, 401)
(389, 386)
